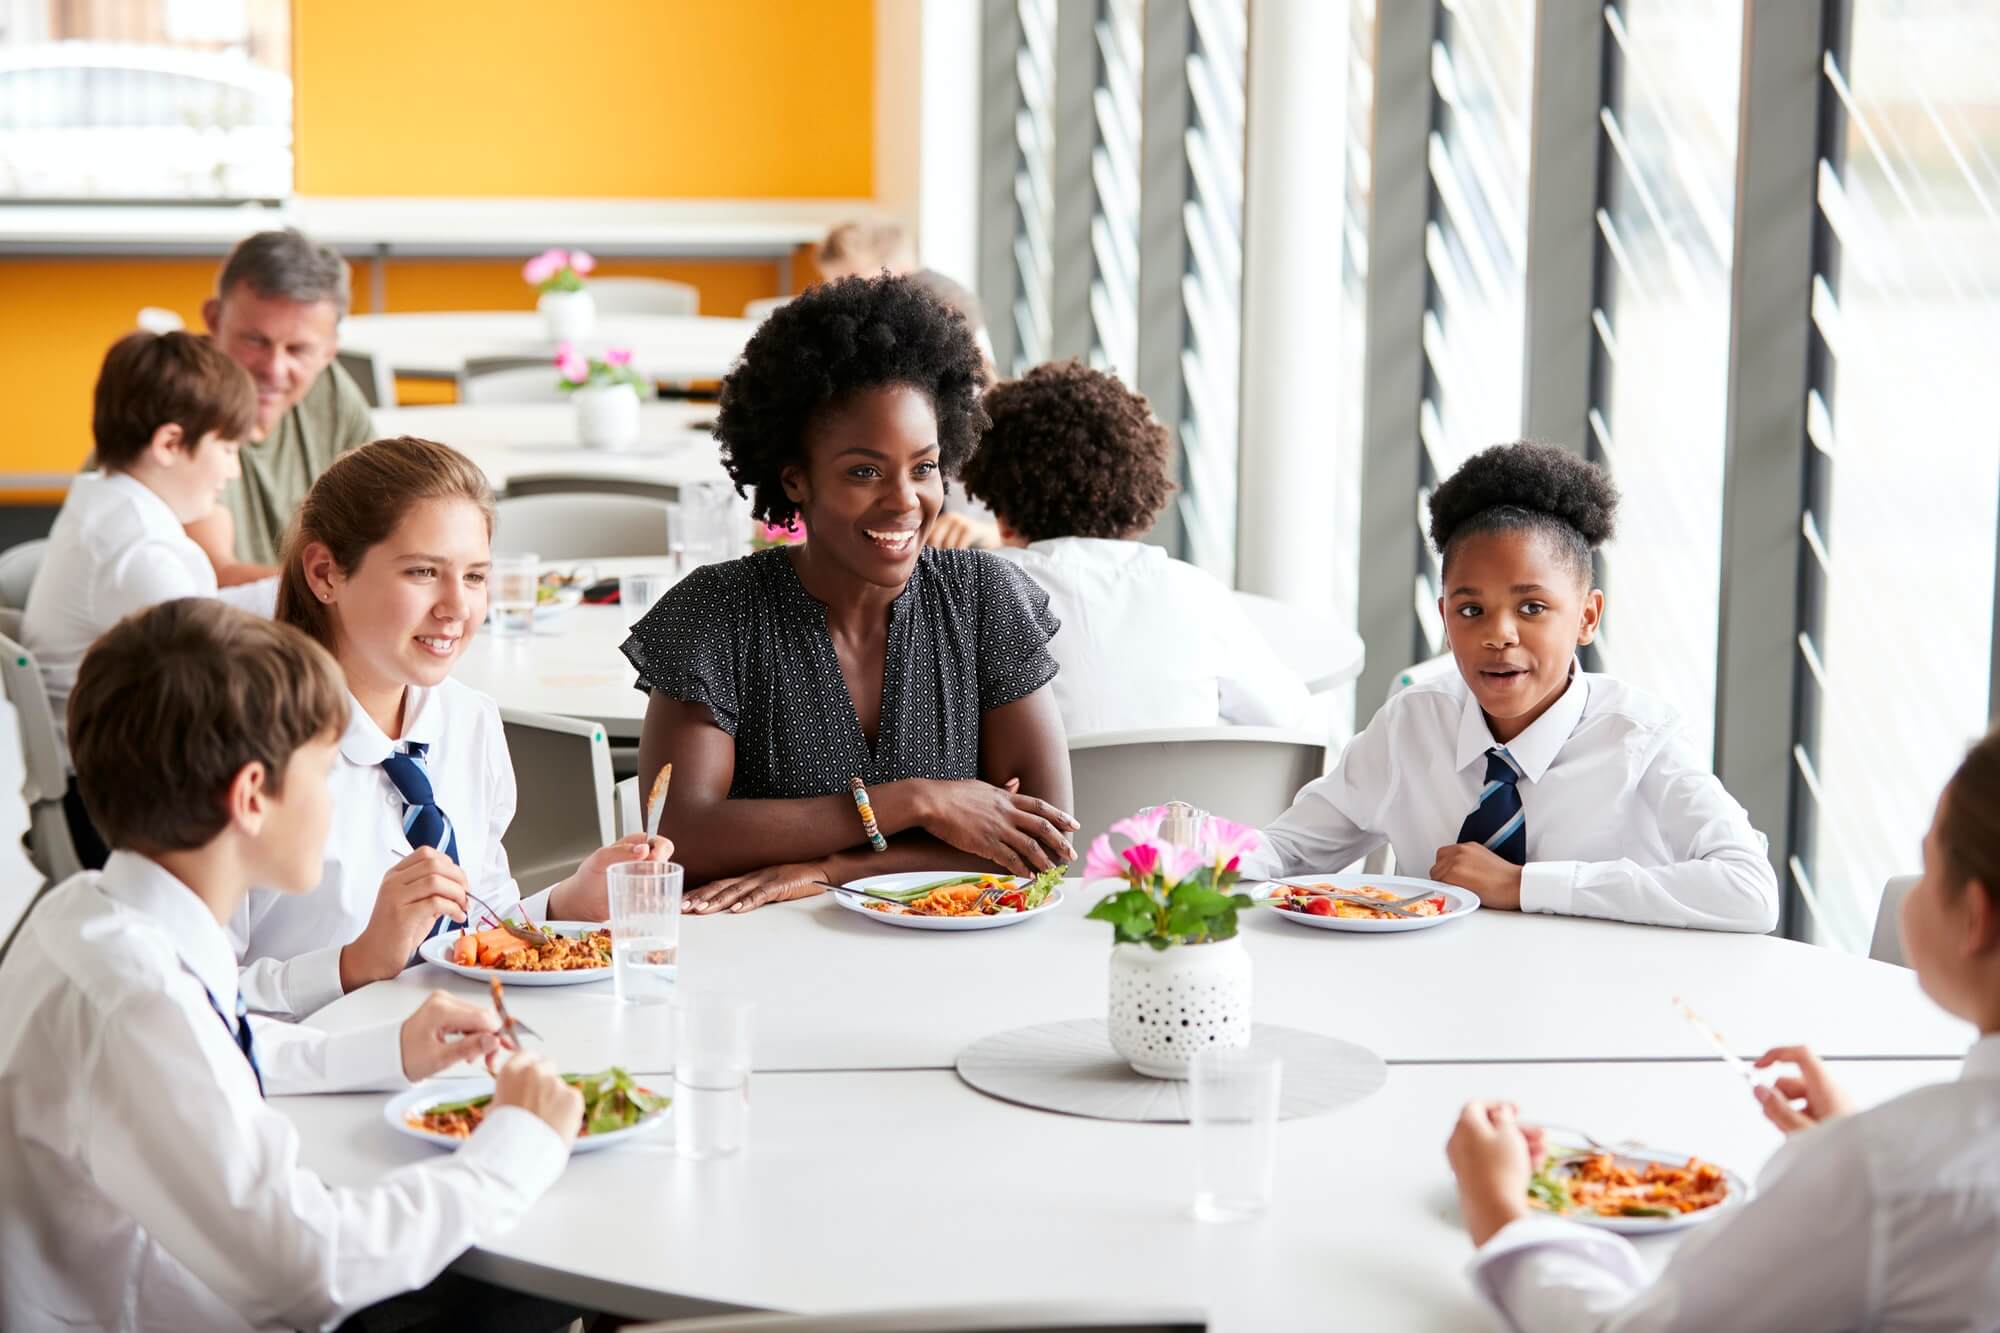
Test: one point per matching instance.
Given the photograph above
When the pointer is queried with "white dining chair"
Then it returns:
(509, 379)
(761, 308)
(584, 483)
(1887, 945)
(644, 296)
(574, 526)
(18, 567)
(1248, 774)
(1050, 1318)
(45, 778)
(627, 813)
(562, 784)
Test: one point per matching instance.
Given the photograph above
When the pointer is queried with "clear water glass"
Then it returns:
(645, 930)
(715, 523)
(1235, 1113)
(638, 592)
(1180, 823)
(711, 1071)
(512, 593)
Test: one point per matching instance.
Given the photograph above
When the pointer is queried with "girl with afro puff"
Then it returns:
(777, 680)
(1538, 786)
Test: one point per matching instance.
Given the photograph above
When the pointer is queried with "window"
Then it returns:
(1909, 437)
(1114, 171)
(1034, 189)
(149, 99)
(1662, 340)
(1358, 183)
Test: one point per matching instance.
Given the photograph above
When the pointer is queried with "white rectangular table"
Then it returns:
(509, 440)
(438, 343)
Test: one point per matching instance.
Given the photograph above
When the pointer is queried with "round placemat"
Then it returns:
(1070, 1067)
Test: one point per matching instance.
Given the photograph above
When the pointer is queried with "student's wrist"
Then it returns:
(358, 968)
(1488, 1212)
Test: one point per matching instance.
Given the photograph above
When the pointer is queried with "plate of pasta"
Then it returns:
(1325, 902)
(572, 952)
(1633, 1191)
(446, 1111)
(942, 900)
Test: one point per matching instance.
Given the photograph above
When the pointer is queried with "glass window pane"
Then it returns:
(1663, 337)
(1915, 416)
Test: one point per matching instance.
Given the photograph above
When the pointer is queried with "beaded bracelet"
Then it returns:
(861, 803)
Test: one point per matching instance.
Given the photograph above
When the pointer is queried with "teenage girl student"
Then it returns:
(1885, 1219)
(1536, 785)
(386, 567)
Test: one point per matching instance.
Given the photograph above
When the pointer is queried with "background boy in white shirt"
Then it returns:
(1539, 787)
(1074, 467)
(1886, 1219)
(169, 411)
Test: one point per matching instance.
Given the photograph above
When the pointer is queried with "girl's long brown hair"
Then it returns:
(357, 503)
(1968, 823)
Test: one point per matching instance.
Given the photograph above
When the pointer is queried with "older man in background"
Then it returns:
(276, 311)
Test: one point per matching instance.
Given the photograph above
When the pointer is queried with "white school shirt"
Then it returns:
(1150, 641)
(289, 944)
(143, 1181)
(116, 548)
(1623, 821)
(1886, 1219)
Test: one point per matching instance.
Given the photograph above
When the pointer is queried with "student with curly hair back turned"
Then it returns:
(777, 680)
(1074, 468)
(1535, 785)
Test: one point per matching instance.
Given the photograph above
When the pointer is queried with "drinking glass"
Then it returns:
(513, 585)
(715, 525)
(645, 929)
(711, 1071)
(1235, 1113)
(1181, 824)
(638, 592)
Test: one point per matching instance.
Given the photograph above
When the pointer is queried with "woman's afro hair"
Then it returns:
(1536, 486)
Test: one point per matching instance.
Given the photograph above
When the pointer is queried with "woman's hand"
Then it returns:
(773, 884)
(1793, 1104)
(586, 894)
(445, 1030)
(1018, 833)
(418, 889)
(1496, 880)
(1492, 1155)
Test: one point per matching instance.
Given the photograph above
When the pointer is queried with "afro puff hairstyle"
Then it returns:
(1071, 453)
(816, 350)
(1524, 486)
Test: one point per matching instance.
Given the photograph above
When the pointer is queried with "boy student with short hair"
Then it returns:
(169, 412)
(144, 1181)
(1536, 785)
(1889, 1218)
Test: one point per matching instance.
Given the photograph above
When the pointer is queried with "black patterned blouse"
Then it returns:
(968, 633)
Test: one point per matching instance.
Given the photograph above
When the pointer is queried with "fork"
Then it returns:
(509, 1025)
(518, 932)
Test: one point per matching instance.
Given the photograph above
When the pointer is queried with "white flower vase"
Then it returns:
(569, 315)
(607, 416)
(1166, 1004)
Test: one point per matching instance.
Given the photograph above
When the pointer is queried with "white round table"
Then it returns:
(509, 440)
(439, 343)
(875, 1179)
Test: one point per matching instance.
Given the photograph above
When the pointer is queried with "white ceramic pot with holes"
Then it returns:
(607, 416)
(569, 315)
(1166, 1004)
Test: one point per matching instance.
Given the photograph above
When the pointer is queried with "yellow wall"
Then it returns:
(650, 98)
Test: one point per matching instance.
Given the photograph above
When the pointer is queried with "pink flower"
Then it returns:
(1143, 858)
(581, 261)
(543, 267)
(618, 356)
(1228, 842)
(572, 366)
(1101, 862)
(1177, 862)
(1141, 827)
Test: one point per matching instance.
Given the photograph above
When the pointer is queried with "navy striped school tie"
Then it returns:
(1499, 823)
(424, 824)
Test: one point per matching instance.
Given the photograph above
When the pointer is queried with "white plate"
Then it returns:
(1463, 902)
(910, 879)
(437, 950)
(1738, 1195)
(426, 1095)
(565, 598)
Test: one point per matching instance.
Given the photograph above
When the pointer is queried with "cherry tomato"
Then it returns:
(1320, 906)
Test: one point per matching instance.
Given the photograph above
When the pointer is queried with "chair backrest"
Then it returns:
(951, 1319)
(574, 483)
(644, 296)
(371, 374)
(627, 814)
(509, 379)
(562, 780)
(760, 309)
(18, 567)
(580, 527)
(1887, 946)
(10, 621)
(1248, 774)
(45, 776)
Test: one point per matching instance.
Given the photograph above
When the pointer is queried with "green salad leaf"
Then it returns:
(1548, 1189)
(611, 1101)
(1037, 890)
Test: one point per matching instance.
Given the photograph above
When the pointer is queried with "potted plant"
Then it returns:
(606, 393)
(565, 305)
(1180, 977)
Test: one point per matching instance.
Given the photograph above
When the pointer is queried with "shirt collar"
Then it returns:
(156, 514)
(1983, 1060)
(147, 887)
(365, 744)
(1534, 749)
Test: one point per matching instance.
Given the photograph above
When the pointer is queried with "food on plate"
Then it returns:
(611, 1101)
(1318, 900)
(501, 948)
(1606, 1185)
(971, 895)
